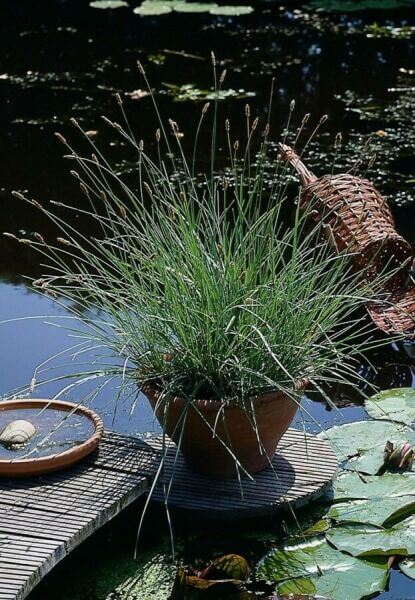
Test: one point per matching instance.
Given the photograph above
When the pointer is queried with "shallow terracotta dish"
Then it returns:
(21, 467)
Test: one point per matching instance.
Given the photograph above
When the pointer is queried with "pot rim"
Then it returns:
(212, 404)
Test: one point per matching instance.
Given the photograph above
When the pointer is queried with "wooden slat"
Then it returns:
(43, 518)
(302, 469)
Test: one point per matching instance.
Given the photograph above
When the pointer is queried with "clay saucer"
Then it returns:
(22, 467)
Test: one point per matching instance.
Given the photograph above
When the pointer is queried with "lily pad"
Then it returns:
(193, 7)
(189, 92)
(365, 540)
(407, 566)
(317, 569)
(163, 7)
(394, 405)
(375, 501)
(153, 8)
(360, 445)
(108, 4)
(231, 11)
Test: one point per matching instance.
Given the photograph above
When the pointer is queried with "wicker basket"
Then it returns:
(358, 219)
(395, 314)
(357, 215)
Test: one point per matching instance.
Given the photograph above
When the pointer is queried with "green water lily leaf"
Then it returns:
(365, 540)
(308, 521)
(394, 405)
(163, 7)
(193, 7)
(361, 444)
(231, 11)
(108, 4)
(378, 500)
(154, 8)
(407, 566)
(317, 569)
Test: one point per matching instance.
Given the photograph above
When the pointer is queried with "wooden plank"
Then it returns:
(43, 518)
(302, 469)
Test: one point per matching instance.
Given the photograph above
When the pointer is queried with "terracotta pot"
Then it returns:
(21, 467)
(207, 452)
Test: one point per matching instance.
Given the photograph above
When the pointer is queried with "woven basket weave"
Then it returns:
(395, 315)
(359, 220)
(357, 214)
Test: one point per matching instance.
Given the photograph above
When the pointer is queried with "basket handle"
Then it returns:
(289, 155)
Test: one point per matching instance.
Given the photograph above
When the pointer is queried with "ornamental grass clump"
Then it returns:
(198, 284)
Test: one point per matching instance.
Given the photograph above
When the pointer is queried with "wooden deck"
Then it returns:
(303, 469)
(43, 518)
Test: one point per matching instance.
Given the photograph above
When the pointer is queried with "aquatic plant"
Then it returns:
(198, 284)
(201, 286)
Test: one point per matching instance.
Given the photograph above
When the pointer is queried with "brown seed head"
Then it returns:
(39, 237)
(323, 119)
(158, 136)
(63, 241)
(255, 123)
(148, 189)
(75, 174)
(213, 58)
(84, 189)
(247, 110)
(118, 99)
(61, 138)
(227, 125)
(140, 68)
(292, 105)
(222, 77)
(9, 235)
(123, 212)
(18, 195)
(205, 108)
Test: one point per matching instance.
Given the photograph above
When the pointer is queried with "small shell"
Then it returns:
(17, 433)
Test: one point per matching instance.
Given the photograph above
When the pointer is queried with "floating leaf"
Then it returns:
(193, 7)
(364, 540)
(108, 4)
(394, 405)
(154, 8)
(317, 569)
(188, 91)
(232, 566)
(375, 501)
(309, 521)
(362, 444)
(407, 566)
(231, 11)
(162, 7)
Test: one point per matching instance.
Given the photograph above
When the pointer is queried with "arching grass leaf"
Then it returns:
(407, 566)
(361, 444)
(108, 4)
(375, 501)
(317, 569)
(394, 405)
(364, 540)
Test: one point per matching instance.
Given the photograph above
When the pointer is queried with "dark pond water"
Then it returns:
(63, 58)
(55, 432)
